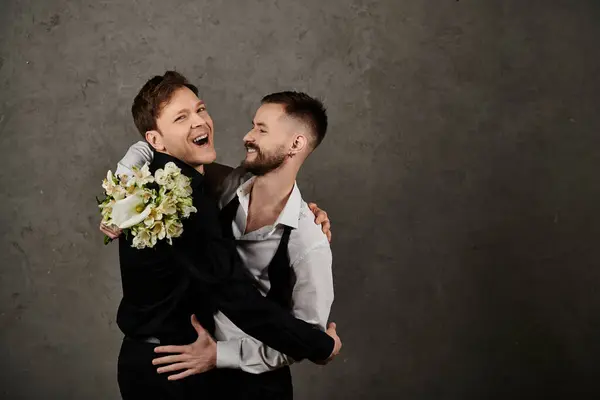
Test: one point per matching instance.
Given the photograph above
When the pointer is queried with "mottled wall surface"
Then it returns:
(460, 172)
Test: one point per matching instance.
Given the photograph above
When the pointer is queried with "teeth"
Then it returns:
(199, 138)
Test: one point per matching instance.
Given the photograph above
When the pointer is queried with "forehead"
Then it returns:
(182, 98)
(269, 113)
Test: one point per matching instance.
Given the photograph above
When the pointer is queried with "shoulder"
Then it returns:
(308, 237)
(231, 183)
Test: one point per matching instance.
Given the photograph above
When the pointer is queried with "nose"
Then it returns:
(248, 137)
(197, 120)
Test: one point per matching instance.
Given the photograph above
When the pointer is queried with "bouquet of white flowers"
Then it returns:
(150, 207)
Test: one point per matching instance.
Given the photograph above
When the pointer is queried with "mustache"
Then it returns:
(251, 146)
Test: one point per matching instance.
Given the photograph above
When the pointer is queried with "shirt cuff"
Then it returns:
(228, 354)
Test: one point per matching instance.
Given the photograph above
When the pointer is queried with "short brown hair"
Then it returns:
(304, 108)
(153, 96)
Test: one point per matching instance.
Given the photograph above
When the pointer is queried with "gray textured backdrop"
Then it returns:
(460, 172)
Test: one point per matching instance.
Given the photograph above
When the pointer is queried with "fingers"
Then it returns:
(325, 226)
(107, 232)
(171, 349)
(331, 331)
(181, 375)
(171, 359)
(175, 367)
(199, 329)
(321, 216)
(111, 233)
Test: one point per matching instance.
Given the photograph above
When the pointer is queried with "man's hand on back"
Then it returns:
(194, 358)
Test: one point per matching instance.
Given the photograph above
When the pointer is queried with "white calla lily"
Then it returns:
(130, 211)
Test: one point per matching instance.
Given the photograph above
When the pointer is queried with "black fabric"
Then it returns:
(281, 275)
(240, 385)
(200, 273)
(138, 379)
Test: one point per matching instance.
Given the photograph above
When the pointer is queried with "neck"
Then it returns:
(198, 167)
(273, 189)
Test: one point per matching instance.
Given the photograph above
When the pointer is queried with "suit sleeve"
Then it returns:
(214, 264)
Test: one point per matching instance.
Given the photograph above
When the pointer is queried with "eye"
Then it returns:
(201, 109)
(180, 118)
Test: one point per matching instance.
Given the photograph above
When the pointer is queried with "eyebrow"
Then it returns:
(259, 124)
(184, 110)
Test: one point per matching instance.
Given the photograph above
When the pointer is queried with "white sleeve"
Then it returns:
(313, 292)
(137, 155)
(250, 355)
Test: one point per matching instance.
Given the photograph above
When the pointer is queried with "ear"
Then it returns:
(156, 140)
(299, 144)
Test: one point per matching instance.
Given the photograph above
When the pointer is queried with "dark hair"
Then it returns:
(153, 96)
(304, 108)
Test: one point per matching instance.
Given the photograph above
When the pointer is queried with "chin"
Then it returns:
(208, 157)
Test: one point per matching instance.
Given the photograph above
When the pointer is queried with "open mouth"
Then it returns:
(201, 140)
(251, 149)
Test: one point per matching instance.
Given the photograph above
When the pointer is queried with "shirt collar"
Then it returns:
(290, 215)
(161, 159)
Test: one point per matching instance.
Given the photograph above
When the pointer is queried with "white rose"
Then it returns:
(161, 177)
(130, 211)
(172, 169)
(182, 186)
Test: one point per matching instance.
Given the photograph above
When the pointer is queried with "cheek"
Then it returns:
(176, 138)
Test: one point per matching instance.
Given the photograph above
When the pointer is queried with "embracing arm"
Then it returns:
(312, 298)
(215, 266)
(137, 155)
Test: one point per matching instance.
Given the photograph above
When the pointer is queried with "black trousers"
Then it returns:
(239, 385)
(138, 378)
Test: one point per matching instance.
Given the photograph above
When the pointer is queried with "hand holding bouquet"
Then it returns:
(149, 207)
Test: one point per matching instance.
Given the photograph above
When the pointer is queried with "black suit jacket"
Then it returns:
(200, 273)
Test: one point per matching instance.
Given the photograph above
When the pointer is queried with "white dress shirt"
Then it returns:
(310, 258)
